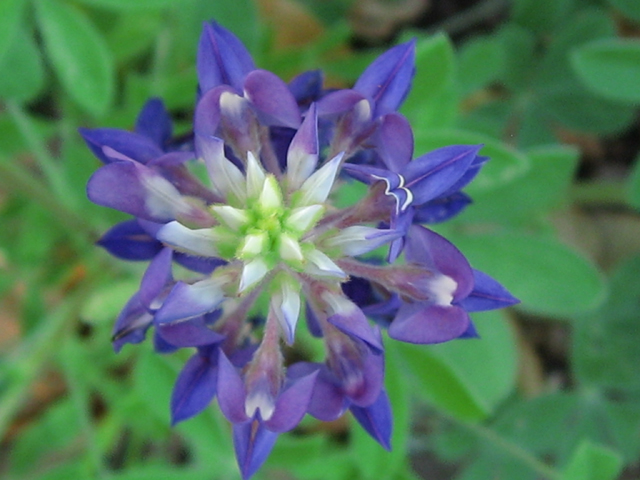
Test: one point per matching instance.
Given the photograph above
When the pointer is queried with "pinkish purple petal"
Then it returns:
(439, 255)
(190, 300)
(302, 157)
(338, 102)
(190, 333)
(272, 99)
(232, 393)
(425, 323)
(292, 404)
(156, 277)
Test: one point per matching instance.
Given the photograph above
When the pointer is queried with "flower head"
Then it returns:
(262, 232)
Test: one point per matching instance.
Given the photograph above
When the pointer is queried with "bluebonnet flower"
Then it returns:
(263, 231)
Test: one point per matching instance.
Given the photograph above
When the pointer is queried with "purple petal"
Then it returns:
(394, 141)
(156, 277)
(222, 58)
(376, 419)
(207, 115)
(160, 345)
(272, 99)
(433, 174)
(302, 156)
(468, 176)
(372, 379)
(132, 145)
(339, 101)
(370, 175)
(135, 189)
(231, 391)
(306, 87)
(190, 300)
(292, 404)
(253, 443)
(198, 264)
(470, 332)
(195, 388)
(128, 241)
(190, 333)
(400, 222)
(132, 323)
(441, 209)
(439, 255)
(388, 79)
(312, 322)
(487, 294)
(350, 320)
(424, 323)
(328, 401)
(154, 122)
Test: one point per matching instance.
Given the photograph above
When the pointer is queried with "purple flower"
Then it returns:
(260, 231)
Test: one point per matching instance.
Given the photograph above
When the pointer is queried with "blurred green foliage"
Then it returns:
(551, 71)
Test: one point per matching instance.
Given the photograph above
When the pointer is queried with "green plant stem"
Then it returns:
(46, 162)
(512, 449)
(14, 178)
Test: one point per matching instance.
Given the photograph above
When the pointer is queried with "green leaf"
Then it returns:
(506, 164)
(24, 73)
(480, 61)
(543, 187)
(10, 23)
(593, 462)
(634, 185)
(467, 378)
(629, 8)
(546, 275)
(606, 344)
(78, 54)
(155, 472)
(134, 4)
(435, 63)
(519, 46)
(540, 15)
(610, 67)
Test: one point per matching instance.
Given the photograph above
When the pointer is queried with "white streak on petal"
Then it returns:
(162, 199)
(317, 187)
(252, 273)
(253, 245)
(443, 288)
(320, 264)
(262, 401)
(270, 196)
(196, 242)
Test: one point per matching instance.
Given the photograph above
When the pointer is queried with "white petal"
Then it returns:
(270, 196)
(252, 273)
(357, 240)
(262, 401)
(255, 176)
(290, 249)
(234, 218)
(253, 245)
(224, 175)
(303, 218)
(286, 305)
(196, 242)
(443, 288)
(317, 187)
(320, 264)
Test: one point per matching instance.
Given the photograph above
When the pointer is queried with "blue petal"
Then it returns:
(394, 141)
(132, 323)
(441, 209)
(253, 443)
(388, 79)
(156, 277)
(154, 122)
(272, 99)
(424, 323)
(306, 88)
(128, 144)
(292, 404)
(128, 241)
(195, 387)
(487, 294)
(376, 419)
(222, 59)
